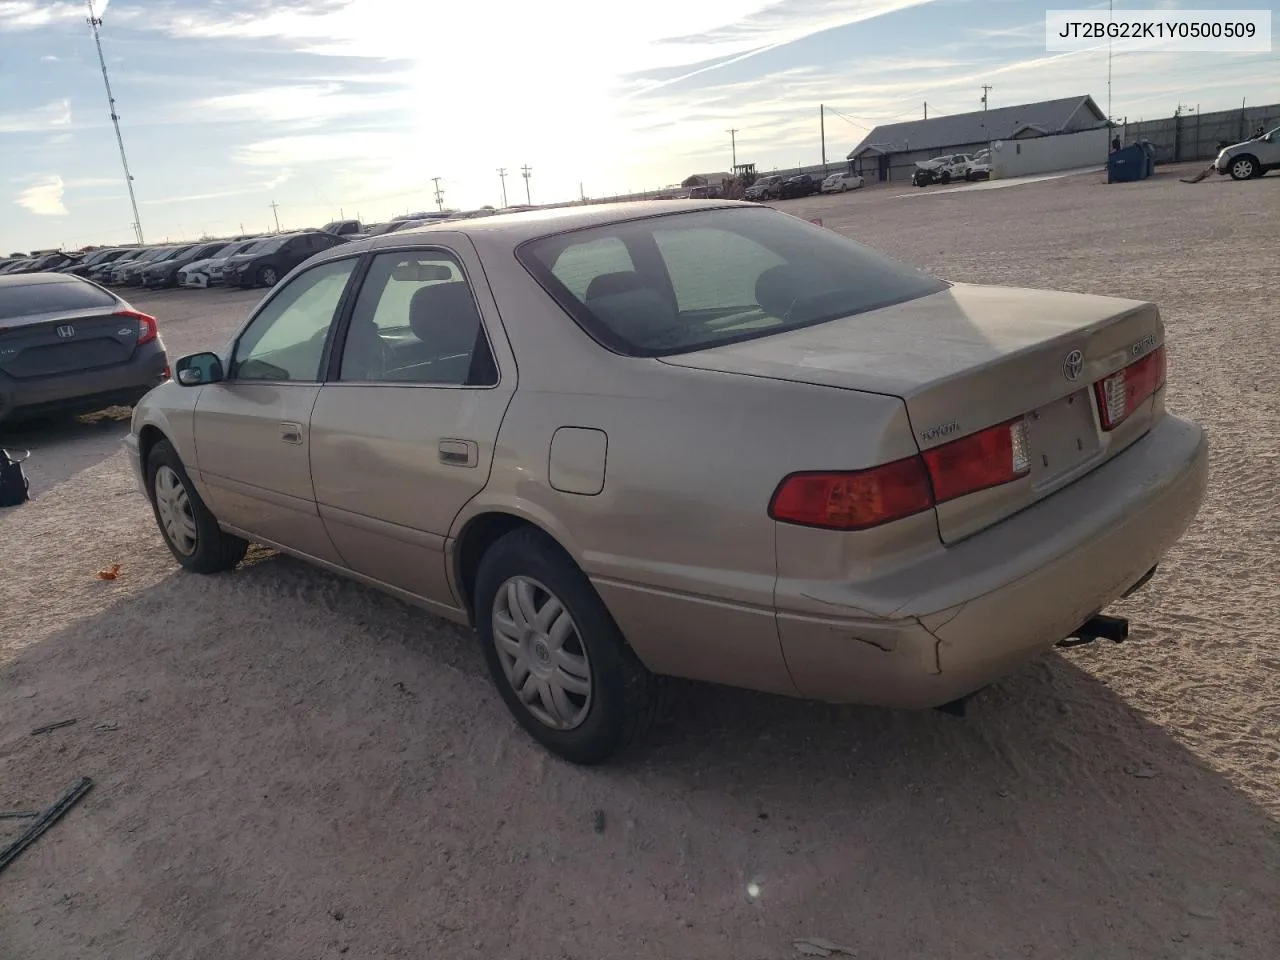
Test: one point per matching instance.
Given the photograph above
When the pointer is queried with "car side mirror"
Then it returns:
(197, 369)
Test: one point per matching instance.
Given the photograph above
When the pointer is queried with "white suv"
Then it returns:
(1252, 158)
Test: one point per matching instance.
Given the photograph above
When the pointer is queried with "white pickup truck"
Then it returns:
(942, 169)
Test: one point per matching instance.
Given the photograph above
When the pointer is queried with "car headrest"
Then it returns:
(778, 288)
(608, 284)
(444, 316)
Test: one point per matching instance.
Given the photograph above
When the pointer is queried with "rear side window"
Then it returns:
(681, 282)
(34, 298)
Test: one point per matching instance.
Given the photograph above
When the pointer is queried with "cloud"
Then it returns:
(38, 120)
(44, 198)
(18, 15)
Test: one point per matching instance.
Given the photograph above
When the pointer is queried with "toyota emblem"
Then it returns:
(1073, 366)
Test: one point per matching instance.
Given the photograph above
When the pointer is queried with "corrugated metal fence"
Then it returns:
(1195, 136)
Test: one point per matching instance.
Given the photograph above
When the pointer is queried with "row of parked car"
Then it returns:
(246, 261)
(777, 187)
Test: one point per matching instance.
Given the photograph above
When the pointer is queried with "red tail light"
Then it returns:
(853, 500)
(987, 459)
(147, 329)
(859, 499)
(1126, 390)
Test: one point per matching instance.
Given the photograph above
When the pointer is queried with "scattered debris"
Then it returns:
(599, 821)
(106, 725)
(110, 573)
(19, 814)
(337, 915)
(403, 689)
(116, 413)
(1199, 176)
(1141, 771)
(44, 821)
(52, 726)
(820, 947)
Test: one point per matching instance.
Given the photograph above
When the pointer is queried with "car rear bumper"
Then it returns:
(966, 616)
(64, 393)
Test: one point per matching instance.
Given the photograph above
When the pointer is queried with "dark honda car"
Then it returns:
(268, 260)
(801, 186)
(98, 258)
(68, 345)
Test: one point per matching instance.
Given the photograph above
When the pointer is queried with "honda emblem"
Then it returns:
(66, 331)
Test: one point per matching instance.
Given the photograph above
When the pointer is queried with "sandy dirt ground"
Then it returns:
(287, 765)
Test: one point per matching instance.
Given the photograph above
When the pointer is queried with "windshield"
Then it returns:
(268, 245)
(676, 283)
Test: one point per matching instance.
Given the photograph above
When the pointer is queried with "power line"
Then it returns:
(94, 23)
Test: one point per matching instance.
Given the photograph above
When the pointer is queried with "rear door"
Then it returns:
(251, 430)
(403, 432)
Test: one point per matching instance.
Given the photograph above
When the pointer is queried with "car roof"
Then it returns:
(516, 228)
(34, 279)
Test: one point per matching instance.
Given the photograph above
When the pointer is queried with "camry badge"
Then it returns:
(1073, 366)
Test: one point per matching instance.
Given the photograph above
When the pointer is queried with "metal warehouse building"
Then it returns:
(891, 151)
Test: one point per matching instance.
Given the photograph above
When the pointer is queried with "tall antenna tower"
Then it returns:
(95, 22)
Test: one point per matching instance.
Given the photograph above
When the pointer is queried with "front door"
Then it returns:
(883, 166)
(251, 430)
(403, 435)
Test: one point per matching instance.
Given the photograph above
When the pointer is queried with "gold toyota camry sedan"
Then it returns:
(695, 439)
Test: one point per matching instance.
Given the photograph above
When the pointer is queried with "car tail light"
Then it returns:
(985, 459)
(859, 499)
(147, 329)
(853, 500)
(1125, 390)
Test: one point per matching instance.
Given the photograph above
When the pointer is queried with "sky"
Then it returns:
(332, 108)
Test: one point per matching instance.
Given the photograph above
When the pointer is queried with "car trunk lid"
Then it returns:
(967, 359)
(66, 342)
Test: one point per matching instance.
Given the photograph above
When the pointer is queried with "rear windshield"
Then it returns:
(33, 298)
(681, 282)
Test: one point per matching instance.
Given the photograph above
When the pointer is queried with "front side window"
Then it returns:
(285, 341)
(415, 320)
(691, 281)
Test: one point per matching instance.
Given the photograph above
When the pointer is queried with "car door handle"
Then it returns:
(291, 432)
(459, 453)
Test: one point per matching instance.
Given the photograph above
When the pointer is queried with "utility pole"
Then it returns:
(822, 131)
(95, 22)
(502, 175)
(926, 109)
(275, 212)
(525, 172)
(985, 88)
(1110, 13)
(733, 144)
(439, 194)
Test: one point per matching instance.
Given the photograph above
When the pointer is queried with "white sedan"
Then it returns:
(840, 182)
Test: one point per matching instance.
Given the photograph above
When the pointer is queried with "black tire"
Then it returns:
(624, 694)
(946, 177)
(215, 551)
(1245, 167)
(268, 276)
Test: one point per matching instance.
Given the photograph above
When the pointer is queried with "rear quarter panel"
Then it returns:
(678, 542)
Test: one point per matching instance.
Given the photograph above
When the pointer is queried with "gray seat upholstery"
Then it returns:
(444, 317)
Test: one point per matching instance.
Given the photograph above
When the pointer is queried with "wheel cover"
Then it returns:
(173, 504)
(542, 654)
(269, 276)
(1242, 168)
